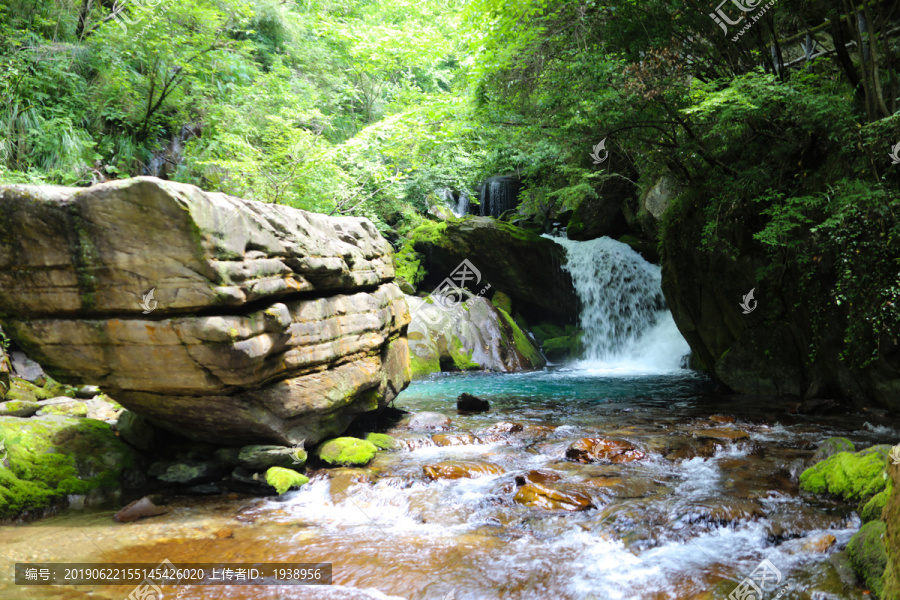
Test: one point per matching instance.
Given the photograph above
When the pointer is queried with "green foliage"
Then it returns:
(408, 265)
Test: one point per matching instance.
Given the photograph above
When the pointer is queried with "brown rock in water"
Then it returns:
(467, 403)
(553, 498)
(721, 419)
(460, 470)
(540, 477)
(429, 421)
(265, 322)
(820, 544)
(721, 434)
(138, 509)
(505, 427)
(454, 439)
(588, 450)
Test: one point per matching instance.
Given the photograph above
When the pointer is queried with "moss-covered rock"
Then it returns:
(66, 408)
(347, 452)
(546, 331)
(891, 517)
(502, 301)
(21, 389)
(832, 446)
(18, 408)
(49, 458)
(849, 476)
(871, 510)
(867, 554)
(563, 348)
(283, 479)
(381, 440)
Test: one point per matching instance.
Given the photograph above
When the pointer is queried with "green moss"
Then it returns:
(868, 557)
(502, 301)
(523, 343)
(430, 232)
(546, 331)
(408, 265)
(460, 357)
(283, 479)
(381, 440)
(849, 476)
(74, 409)
(27, 391)
(51, 457)
(347, 451)
(871, 510)
(832, 446)
(563, 348)
(423, 367)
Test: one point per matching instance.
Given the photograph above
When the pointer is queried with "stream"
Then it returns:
(686, 521)
(712, 494)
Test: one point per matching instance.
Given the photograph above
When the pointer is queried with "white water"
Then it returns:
(627, 327)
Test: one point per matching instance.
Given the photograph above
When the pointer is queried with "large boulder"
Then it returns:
(472, 335)
(221, 319)
(522, 264)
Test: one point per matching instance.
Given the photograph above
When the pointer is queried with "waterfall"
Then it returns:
(497, 195)
(625, 322)
(462, 205)
(457, 202)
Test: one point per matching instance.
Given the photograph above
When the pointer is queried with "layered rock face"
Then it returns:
(265, 322)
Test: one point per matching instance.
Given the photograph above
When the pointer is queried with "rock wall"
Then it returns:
(264, 322)
(766, 350)
(473, 335)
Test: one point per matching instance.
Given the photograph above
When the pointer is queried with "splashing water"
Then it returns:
(626, 325)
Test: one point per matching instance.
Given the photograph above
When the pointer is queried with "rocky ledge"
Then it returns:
(224, 320)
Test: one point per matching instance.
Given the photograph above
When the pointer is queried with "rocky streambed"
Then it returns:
(571, 485)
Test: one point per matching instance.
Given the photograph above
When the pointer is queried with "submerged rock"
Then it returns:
(454, 439)
(429, 421)
(460, 470)
(214, 317)
(260, 458)
(469, 403)
(139, 509)
(588, 450)
(721, 434)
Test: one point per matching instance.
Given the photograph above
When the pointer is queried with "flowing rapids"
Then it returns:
(686, 522)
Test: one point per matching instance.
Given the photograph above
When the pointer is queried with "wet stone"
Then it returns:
(460, 470)
(721, 434)
(454, 439)
(467, 403)
(429, 421)
(540, 477)
(588, 450)
(546, 497)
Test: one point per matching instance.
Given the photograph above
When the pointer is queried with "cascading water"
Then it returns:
(497, 195)
(626, 325)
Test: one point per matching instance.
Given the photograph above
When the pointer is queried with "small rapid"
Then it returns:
(626, 325)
